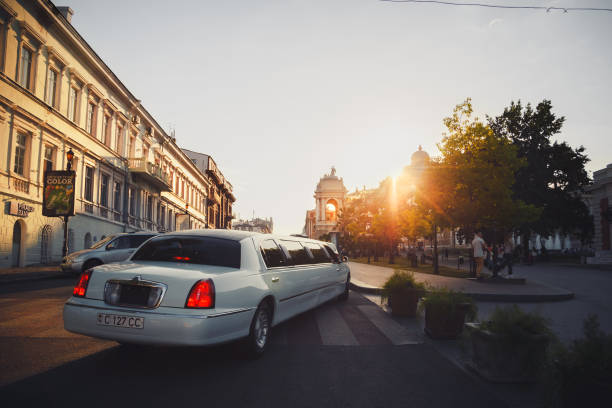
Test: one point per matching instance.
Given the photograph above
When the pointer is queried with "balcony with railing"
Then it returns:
(149, 172)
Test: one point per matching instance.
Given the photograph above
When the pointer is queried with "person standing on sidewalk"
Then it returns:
(478, 244)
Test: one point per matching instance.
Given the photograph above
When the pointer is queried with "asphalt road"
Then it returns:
(338, 355)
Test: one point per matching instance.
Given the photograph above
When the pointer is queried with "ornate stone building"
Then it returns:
(56, 95)
(329, 200)
(262, 225)
(220, 194)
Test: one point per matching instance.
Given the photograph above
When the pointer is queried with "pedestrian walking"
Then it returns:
(478, 245)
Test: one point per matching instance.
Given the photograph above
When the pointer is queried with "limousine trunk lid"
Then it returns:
(174, 281)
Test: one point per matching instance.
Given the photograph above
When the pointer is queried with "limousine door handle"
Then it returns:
(275, 279)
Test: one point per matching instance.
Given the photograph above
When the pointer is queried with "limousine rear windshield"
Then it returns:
(193, 250)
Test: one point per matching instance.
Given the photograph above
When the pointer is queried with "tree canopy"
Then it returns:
(553, 176)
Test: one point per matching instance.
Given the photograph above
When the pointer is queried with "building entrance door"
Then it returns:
(17, 244)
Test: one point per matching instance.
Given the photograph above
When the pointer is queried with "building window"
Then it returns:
(25, 68)
(149, 208)
(132, 146)
(48, 159)
(89, 183)
(104, 190)
(117, 197)
(132, 202)
(52, 76)
(91, 111)
(106, 130)
(72, 104)
(119, 139)
(20, 154)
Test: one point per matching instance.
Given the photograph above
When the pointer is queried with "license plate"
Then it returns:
(131, 322)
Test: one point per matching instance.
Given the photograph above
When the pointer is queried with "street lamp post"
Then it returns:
(69, 157)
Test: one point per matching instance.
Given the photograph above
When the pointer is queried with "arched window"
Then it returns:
(87, 241)
(45, 240)
(331, 210)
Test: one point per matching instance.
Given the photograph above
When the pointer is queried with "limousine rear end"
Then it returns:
(205, 287)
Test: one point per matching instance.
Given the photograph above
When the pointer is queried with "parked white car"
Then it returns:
(204, 287)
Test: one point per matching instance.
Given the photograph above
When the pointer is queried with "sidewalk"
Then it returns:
(9, 275)
(369, 278)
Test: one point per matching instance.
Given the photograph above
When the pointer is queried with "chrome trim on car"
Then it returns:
(136, 281)
(309, 291)
(231, 312)
(157, 313)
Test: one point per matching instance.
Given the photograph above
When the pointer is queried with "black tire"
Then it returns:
(91, 264)
(345, 295)
(259, 333)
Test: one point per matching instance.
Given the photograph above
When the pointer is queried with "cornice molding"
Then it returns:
(74, 73)
(8, 9)
(54, 54)
(24, 26)
(93, 90)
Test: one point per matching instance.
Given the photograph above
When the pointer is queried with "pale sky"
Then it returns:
(279, 91)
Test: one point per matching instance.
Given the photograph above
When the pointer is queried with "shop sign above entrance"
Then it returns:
(20, 209)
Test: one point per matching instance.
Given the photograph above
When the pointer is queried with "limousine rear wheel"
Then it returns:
(259, 334)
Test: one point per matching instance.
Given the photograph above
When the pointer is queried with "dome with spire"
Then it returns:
(420, 158)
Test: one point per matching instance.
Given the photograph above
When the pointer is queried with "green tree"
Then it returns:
(479, 168)
(554, 175)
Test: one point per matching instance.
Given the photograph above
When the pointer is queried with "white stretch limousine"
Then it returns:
(206, 287)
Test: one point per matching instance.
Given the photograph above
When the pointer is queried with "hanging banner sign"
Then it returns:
(58, 198)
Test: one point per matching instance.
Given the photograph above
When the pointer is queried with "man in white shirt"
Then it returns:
(479, 245)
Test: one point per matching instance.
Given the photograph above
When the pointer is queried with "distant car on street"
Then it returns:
(204, 287)
(114, 248)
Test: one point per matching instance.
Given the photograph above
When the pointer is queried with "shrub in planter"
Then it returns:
(511, 346)
(581, 374)
(446, 312)
(402, 292)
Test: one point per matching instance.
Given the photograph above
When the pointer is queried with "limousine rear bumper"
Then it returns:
(162, 326)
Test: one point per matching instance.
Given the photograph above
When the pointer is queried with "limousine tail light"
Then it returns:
(202, 295)
(81, 287)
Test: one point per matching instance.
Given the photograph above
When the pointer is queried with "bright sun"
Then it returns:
(330, 207)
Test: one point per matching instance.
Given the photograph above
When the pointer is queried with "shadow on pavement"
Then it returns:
(305, 376)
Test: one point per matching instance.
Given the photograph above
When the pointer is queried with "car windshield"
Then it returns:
(193, 250)
(102, 242)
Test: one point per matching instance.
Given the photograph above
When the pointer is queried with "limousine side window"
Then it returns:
(272, 254)
(317, 252)
(297, 253)
(335, 256)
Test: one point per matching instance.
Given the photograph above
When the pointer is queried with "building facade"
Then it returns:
(329, 196)
(261, 225)
(600, 199)
(56, 95)
(220, 194)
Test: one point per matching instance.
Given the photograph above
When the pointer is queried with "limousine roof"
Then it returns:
(236, 235)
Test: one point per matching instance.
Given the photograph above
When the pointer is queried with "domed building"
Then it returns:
(329, 200)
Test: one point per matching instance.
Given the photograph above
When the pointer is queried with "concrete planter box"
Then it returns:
(498, 360)
(445, 322)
